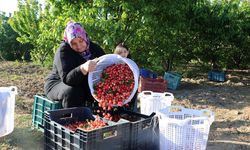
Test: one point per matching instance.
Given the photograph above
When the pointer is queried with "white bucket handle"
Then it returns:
(13, 89)
(147, 92)
(143, 93)
(178, 108)
(150, 93)
(185, 121)
(167, 94)
(205, 112)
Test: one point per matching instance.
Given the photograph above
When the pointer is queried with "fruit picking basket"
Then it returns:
(7, 109)
(107, 61)
(182, 128)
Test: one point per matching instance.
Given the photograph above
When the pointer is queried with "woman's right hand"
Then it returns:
(88, 66)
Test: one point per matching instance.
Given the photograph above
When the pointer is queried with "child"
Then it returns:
(122, 49)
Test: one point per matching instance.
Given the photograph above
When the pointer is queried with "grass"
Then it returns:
(23, 137)
(24, 76)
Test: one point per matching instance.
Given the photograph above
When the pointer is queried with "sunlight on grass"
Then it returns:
(23, 120)
(15, 77)
(23, 136)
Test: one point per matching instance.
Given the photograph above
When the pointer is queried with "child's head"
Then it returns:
(121, 49)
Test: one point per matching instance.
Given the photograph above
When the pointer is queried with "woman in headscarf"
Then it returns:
(74, 59)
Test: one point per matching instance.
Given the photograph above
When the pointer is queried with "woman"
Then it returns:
(74, 59)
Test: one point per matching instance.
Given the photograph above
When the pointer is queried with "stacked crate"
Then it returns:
(40, 105)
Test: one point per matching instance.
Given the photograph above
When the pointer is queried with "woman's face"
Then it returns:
(124, 52)
(78, 45)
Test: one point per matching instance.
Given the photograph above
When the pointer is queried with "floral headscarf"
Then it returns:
(75, 30)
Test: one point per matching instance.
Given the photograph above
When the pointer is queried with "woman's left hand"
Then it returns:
(89, 66)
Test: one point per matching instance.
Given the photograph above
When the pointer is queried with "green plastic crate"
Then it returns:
(40, 105)
(173, 80)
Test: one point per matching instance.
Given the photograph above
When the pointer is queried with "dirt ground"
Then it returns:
(230, 101)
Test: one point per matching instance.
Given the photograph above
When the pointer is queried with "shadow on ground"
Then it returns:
(24, 139)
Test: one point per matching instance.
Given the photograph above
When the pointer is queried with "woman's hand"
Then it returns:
(88, 66)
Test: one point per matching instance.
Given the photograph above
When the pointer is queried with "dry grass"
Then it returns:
(229, 100)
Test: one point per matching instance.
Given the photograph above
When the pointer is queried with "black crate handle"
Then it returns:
(147, 125)
(122, 110)
(152, 115)
(70, 114)
(144, 125)
(66, 116)
(109, 134)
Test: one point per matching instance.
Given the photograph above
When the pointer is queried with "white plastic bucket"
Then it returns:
(108, 60)
(184, 129)
(7, 106)
(154, 101)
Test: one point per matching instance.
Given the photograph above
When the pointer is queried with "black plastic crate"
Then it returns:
(144, 130)
(113, 137)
